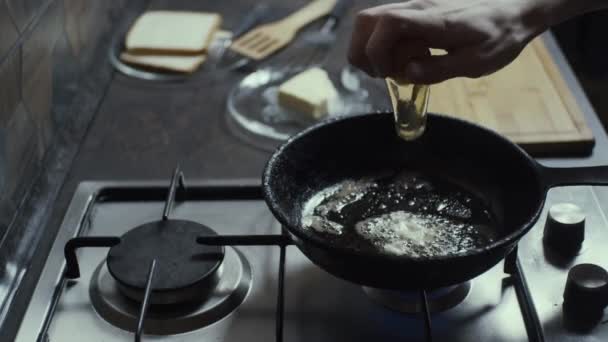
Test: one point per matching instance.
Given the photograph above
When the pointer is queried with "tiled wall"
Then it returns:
(54, 72)
(45, 48)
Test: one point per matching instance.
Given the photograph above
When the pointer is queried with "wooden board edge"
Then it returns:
(549, 139)
(580, 148)
(574, 110)
(572, 136)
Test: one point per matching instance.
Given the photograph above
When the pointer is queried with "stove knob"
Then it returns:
(585, 296)
(565, 228)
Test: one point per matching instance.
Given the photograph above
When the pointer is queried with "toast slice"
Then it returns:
(173, 63)
(181, 64)
(172, 32)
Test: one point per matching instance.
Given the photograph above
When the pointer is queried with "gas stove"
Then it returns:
(130, 262)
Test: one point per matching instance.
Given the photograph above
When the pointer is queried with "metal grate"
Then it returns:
(178, 187)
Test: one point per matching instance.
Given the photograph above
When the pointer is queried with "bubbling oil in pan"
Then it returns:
(402, 214)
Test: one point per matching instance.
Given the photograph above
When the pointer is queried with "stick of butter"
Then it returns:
(308, 92)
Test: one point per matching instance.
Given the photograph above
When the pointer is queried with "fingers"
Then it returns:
(405, 54)
(363, 29)
(390, 47)
(394, 40)
(386, 37)
(436, 69)
(380, 47)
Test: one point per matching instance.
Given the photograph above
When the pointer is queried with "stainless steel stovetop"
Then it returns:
(317, 306)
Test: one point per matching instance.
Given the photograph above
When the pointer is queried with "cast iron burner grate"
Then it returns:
(218, 242)
(153, 263)
(180, 276)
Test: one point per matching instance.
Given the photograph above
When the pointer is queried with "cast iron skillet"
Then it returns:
(498, 171)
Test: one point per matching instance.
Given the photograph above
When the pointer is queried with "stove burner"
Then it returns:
(232, 289)
(409, 302)
(186, 271)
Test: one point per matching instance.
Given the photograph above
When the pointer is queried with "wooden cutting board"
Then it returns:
(528, 102)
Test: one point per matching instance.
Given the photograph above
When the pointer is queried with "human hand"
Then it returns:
(479, 36)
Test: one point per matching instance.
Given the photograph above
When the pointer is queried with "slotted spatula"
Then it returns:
(269, 38)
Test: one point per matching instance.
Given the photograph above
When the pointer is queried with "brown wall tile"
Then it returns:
(85, 21)
(45, 47)
(18, 141)
(21, 154)
(66, 74)
(37, 95)
(9, 102)
(10, 94)
(43, 76)
(9, 31)
(7, 211)
(75, 23)
(37, 72)
(23, 11)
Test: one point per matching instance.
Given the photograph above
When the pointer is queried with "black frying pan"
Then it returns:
(484, 162)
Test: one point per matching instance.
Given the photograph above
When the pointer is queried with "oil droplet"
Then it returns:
(441, 206)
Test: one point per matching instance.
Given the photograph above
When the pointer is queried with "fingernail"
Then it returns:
(413, 71)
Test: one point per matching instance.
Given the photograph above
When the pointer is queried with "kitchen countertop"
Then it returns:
(142, 130)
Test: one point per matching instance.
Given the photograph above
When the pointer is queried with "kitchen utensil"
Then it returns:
(484, 162)
(252, 18)
(269, 38)
(314, 45)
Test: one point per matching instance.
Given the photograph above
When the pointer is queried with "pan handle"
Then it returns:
(587, 175)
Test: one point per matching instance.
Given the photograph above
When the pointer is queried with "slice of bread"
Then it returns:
(172, 32)
(169, 62)
(181, 64)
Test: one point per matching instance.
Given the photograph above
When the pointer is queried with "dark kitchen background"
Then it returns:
(582, 40)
